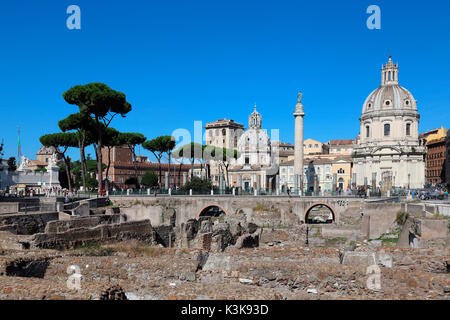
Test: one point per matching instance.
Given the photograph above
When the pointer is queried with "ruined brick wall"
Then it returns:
(378, 218)
(205, 241)
(29, 223)
(165, 235)
(139, 230)
(80, 222)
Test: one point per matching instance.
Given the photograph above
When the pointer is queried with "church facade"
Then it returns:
(256, 167)
(389, 153)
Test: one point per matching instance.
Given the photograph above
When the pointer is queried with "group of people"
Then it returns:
(436, 193)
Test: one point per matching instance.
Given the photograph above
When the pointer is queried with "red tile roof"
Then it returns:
(341, 142)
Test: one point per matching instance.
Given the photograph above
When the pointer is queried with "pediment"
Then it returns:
(386, 150)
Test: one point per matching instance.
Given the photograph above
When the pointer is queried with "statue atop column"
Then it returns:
(299, 97)
(299, 107)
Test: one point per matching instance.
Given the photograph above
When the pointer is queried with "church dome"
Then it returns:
(389, 96)
(254, 144)
(254, 140)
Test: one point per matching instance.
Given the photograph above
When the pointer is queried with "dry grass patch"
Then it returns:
(138, 248)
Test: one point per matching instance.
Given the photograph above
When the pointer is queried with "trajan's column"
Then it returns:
(298, 154)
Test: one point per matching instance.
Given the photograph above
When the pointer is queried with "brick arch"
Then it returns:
(333, 211)
(211, 205)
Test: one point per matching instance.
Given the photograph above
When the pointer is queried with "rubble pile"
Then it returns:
(114, 293)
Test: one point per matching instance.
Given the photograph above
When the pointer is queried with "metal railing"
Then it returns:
(238, 192)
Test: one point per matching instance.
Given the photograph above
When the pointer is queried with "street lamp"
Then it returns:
(409, 180)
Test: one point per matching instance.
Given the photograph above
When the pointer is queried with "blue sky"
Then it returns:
(181, 61)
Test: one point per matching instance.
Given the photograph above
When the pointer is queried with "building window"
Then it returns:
(224, 132)
(387, 130)
(367, 131)
(341, 171)
(247, 160)
(408, 129)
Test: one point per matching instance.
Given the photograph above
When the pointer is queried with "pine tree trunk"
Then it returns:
(108, 167)
(135, 167)
(169, 170)
(69, 178)
(99, 159)
(83, 162)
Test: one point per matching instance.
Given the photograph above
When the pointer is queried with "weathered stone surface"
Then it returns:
(29, 223)
(141, 230)
(353, 258)
(275, 273)
(247, 241)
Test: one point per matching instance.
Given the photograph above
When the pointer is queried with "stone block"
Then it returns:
(361, 259)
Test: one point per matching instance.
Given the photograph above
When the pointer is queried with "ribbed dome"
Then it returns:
(390, 97)
(254, 140)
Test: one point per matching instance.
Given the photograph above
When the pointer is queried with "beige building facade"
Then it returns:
(342, 147)
(314, 147)
(222, 133)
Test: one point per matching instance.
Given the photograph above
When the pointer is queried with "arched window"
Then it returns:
(387, 130)
(367, 132)
(408, 129)
(341, 171)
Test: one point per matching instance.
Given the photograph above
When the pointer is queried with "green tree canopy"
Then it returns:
(61, 141)
(131, 139)
(197, 184)
(98, 99)
(85, 127)
(77, 121)
(150, 179)
(12, 164)
(101, 103)
(1, 150)
(159, 146)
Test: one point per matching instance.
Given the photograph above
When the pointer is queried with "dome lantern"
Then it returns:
(255, 120)
(389, 73)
